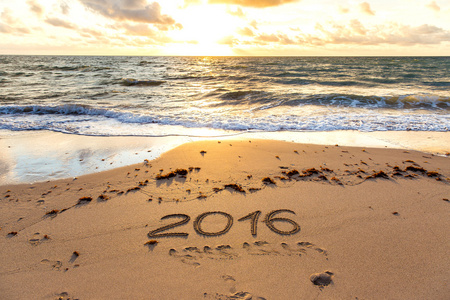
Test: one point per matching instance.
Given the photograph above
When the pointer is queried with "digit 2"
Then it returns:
(155, 233)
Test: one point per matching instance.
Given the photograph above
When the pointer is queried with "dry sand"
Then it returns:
(357, 224)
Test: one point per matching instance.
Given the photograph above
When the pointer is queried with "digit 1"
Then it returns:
(254, 217)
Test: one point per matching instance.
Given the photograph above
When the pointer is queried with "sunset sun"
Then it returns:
(205, 29)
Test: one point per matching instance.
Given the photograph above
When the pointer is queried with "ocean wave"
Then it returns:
(255, 97)
(68, 109)
(196, 77)
(135, 82)
(335, 81)
(407, 102)
(438, 83)
(144, 63)
(80, 68)
(115, 124)
(290, 74)
(241, 95)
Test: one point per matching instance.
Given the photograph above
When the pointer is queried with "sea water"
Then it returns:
(209, 96)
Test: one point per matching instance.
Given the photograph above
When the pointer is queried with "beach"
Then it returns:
(251, 219)
(224, 150)
(165, 177)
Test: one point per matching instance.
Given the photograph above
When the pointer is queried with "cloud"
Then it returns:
(59, 23)
(165, 27)
(35, 7)
(11, 24)
(253, 3)
(5, 28)
(228, 40)
(343, 10)
(130, 10)
(124, 34)
(365, 8)
(433, 5)
(390, 33)
(355, 33)
(275, 38)
(138, 30)
(64, 8)
(191, 2)
(7, 17)
(357, 27)
(143, 30)
(245, 31)
(268, 38)
(90, 33)
(237, 13)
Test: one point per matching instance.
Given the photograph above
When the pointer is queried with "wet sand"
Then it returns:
(36, 156)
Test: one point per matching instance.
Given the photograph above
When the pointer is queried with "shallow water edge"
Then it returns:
(35, 156)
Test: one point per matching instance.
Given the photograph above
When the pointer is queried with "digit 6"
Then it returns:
(270, 219)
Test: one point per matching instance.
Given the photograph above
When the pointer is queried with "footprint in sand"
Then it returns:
(55, 265)
(184, 258)
(64, 296)
(231, 281)
(283, 249)
(38, 238)
(322, 279)
(194, 255)
(233, 296)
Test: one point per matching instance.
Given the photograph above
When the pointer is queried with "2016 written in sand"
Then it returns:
(269, 220)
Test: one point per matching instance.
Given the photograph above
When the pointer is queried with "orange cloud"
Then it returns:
(237, 13)
(11, 24)
(191, 2)
(343, 10)
(433, 5)
(253, 3)
(35, 7)
(229, 40)
(245, 31)
(59, 23)
(130, 10)
(357, 27)
(275, 38)
(391, 33)
(7, 17)
(138, 30)
(64, 8)
(268, 38)
(365, 8)
(5, 28)
(355, 33)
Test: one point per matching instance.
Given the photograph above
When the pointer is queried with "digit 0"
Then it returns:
(199, 219)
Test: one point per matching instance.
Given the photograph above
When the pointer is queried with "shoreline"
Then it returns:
(367, 218)
(38, 156)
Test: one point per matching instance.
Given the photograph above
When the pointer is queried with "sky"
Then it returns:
(225, 27)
